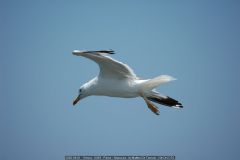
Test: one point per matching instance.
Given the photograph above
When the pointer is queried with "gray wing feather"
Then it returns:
(109, 67)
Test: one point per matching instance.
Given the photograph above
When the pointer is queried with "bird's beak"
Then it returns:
(76, 100)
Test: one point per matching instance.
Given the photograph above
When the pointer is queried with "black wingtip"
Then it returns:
(110, 51)
(179, 105)
(166, 101)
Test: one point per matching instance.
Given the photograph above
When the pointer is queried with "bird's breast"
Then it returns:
(116, 88)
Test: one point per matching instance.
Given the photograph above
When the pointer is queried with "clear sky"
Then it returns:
(198, 42)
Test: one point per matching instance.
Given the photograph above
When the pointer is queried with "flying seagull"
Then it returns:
(117, 79)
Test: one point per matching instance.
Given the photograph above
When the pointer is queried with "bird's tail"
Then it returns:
(155, 82)
(164, 100)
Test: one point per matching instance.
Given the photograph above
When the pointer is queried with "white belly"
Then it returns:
(117, 88)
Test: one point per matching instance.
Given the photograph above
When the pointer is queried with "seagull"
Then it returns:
(117, 79)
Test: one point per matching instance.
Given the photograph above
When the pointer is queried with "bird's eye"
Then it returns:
(80, 90)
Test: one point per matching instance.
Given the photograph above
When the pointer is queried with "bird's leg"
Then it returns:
(151, 106)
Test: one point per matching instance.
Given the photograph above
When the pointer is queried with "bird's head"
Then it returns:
(81, 94)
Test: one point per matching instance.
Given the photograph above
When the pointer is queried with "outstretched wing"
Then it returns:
(109, 67)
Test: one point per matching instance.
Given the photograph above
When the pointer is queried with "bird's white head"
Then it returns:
(82, 93)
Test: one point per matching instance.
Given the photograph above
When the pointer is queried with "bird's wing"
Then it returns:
(109, 67)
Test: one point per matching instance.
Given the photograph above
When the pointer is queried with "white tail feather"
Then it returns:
(155, 82)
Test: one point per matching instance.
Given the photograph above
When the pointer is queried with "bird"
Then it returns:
(117, 79)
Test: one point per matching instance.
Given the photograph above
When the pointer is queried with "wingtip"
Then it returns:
(74, 52)
(179, 105)
(110, 51)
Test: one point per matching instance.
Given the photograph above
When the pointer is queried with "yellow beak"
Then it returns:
(76, 100)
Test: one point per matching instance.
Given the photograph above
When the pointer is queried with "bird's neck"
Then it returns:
(90, 86)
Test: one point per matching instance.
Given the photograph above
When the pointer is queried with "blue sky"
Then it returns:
(195, 41)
